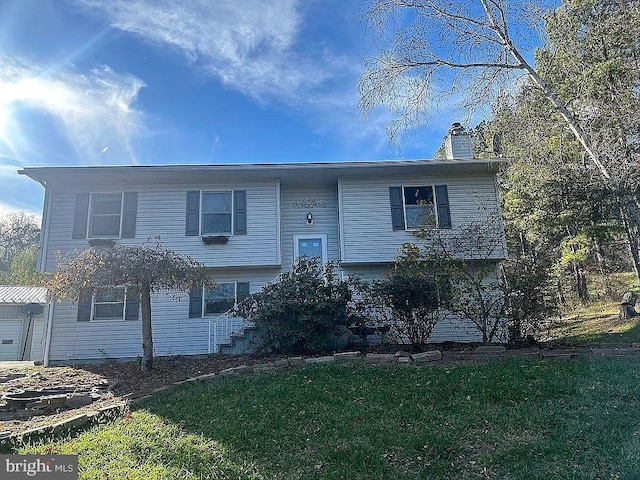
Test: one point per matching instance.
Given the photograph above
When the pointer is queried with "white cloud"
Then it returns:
(249, 45)
(90, 111)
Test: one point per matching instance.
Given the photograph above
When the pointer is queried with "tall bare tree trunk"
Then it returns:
(147, 336)
(632, 242)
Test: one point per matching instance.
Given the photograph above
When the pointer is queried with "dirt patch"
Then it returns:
(111, 383)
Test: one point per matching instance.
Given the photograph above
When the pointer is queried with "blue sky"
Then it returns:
(142, 82)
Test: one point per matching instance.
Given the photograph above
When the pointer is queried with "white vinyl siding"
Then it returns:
(161, 212)
(368, 236)
(294, 218)
(174, 333)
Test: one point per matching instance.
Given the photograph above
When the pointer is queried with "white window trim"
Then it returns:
(297, 238)
(89, 214)
(204, 301)
(112, 319)
(435, 206)
(233, 206)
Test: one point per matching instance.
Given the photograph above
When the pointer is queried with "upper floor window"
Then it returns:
(217, 213)
(419, 207)
(105, 214)
(413, 208)
(100, 215)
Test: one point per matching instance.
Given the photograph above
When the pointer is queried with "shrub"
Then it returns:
(410, 296)
(303, 312)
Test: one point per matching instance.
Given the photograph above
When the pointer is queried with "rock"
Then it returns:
(296, 361)
(381, 358)
(77, 401)
(326, 359)
(345, 357)
(206, 377)
(263, 367)
(404, 359)
(235, 371)
(425, 357)
(402, 353)
(491, 349)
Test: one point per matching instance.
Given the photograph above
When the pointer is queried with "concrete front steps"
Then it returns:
(240, 343)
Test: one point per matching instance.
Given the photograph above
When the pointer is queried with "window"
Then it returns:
(109, 303)
(419, 207)
(220, 299)
(413, 208)
(217, 208)
(104, 215)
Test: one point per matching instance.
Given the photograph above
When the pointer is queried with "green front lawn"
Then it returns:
(513, 419)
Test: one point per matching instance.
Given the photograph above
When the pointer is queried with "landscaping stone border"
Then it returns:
(82, 421)
(482, 353)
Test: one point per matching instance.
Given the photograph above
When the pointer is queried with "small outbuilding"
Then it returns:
(22, 312)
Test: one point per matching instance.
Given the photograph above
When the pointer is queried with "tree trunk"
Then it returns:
(147, 336)
(580, 283)
(632, 242)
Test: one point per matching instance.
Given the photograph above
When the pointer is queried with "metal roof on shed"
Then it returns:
(18, 294)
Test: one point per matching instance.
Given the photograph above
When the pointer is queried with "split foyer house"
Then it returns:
(247, 223)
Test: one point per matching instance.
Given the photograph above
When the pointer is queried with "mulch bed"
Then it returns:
(124, 379)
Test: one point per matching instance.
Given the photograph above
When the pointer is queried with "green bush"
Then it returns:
(305, 311)
(410, 296)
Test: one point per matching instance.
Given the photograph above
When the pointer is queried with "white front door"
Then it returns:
(311, 246)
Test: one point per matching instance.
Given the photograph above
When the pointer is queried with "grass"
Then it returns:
(598, 322)
(512, 419)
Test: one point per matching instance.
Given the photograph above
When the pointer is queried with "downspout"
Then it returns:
(48, 328)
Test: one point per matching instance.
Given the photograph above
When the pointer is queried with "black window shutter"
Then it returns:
(133, 303)
(397, 208)
(84, 305)
(240, 212)
(192, 227)
(80, 216)
(130, 211)
(442, 203)
(242, 292)
(195, 302)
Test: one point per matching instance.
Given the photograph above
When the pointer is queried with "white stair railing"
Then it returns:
(222, 327)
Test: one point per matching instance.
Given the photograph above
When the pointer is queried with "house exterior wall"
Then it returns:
(353, 211)
(162, 212)
(322, 202)
(366, 229)
(174, 333)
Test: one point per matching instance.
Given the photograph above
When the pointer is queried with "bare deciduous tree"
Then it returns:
(144, 269)
(444, 46)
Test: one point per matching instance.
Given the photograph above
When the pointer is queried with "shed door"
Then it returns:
(10, 339)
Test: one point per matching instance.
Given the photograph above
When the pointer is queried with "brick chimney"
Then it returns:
(458, 142)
